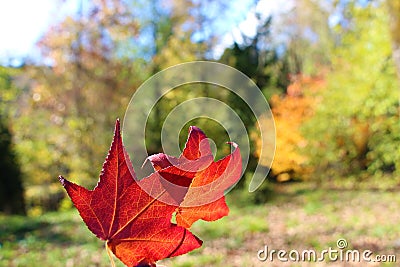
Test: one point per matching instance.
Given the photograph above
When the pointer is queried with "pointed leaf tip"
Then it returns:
(233, 144)
(196, 132)
(62, 180)
(117, 126)
(195, 129)
(195, 147)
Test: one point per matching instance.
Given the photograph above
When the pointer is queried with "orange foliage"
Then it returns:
(290, 111)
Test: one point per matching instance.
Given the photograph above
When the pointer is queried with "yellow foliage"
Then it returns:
(290, 111)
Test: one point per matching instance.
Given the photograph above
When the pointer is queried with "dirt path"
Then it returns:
(311, 220)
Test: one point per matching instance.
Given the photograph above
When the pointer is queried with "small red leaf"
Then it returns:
(204, 199)
(136, 226)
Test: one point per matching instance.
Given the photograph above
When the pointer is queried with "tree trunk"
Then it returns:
(11, 190)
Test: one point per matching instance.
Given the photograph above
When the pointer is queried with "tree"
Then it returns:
(257, 58)
(306, 35)
(74, 99)
(291, 111)
(11, 189)
(94, 62)
(393, 7)
(181, 34)
(356, 127)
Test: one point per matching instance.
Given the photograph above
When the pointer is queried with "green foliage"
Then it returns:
(67, 109)
(259, 60)
(8, 91)
(309, 37)
(11, 190)
(60, 114)
(173, 99)
(356, 126)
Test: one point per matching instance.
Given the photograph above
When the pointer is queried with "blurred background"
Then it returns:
(330, 71)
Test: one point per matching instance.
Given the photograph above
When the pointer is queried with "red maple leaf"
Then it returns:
(204, 199)
(136, 225)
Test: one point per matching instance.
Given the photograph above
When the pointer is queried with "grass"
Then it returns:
(54, 239)
(298, 217)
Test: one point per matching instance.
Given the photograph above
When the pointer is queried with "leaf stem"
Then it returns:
(110, 255)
